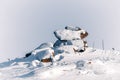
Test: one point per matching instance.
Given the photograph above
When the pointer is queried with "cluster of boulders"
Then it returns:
(68, 36)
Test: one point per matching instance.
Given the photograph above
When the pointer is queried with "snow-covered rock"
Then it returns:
(68, 34)
(43, 54)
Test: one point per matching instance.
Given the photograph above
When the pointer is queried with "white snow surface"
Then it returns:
(93, 64)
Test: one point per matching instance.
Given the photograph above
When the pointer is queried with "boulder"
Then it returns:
(44, 54)
(68, 34)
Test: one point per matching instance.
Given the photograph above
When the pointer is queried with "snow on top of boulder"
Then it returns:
(69, 33)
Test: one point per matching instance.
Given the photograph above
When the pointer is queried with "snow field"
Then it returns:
(81, 67)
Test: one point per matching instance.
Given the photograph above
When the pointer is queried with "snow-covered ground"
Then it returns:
(93, 64)
(68, 64)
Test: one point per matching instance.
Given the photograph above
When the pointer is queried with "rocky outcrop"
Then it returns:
(68, 36)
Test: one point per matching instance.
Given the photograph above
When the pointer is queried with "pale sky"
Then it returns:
(25, 24)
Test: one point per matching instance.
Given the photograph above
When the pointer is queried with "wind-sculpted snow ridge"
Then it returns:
(92, 64)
